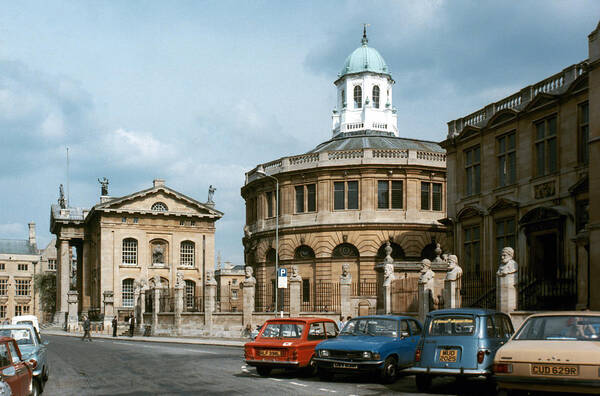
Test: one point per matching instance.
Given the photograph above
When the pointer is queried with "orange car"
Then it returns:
(16, 372)
(288, 343)
(557, 352)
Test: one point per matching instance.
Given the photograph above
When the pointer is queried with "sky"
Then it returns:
(200, 92)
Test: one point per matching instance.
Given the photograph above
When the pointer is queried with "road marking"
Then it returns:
(327, 390)
(200, 351)
(276, 379)
(296, 383)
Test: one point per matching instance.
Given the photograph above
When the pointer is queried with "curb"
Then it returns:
(232, 343)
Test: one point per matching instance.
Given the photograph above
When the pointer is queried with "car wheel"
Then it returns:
(311, 368)
(263, 370)
(423, 382)
(45, 374)
(389, 372)
(324, 375)
(36, 388)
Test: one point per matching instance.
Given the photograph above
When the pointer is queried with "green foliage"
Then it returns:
(45, 284)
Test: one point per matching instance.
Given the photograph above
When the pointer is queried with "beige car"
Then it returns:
(554, 351)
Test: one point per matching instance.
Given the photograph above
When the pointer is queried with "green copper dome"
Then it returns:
(363, 59)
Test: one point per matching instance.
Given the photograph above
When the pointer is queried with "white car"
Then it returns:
(27, 319)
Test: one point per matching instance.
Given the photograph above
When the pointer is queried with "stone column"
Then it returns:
(73, 319)
(451, 294)
(506, 293)
(387, 298)
(210, 303)
(248, 293)
(109, 308)
(345, 292)
(62, 281)
(178, 291)
(295, 303)
(142, 307)
(155, 309)
(425, 299)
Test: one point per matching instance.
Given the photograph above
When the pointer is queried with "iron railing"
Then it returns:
(364, 289)
(478, 289)
(405, 294)
(543, 291)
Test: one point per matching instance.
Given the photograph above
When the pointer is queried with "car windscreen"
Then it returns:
(22, 336)
(451, 326)
(563, 327)
(371, 326)
(283, 330)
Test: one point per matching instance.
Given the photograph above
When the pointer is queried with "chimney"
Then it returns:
(32, 233)
(158, 182)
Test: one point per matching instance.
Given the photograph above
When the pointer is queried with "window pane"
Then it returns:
(511, 141)
(512, 168)
(539, 127)
(299, 199)
(502, 144)
(469, 181)
(475, 233)
(353, 195)
(269, 204)
(424, 196)
(311, 191)
(338, 195)
(540, 158)
(476, 264)
(552, 155)
(376, 96)
(383, 194)
(437, 196)
(502, 171)
(476, 154)
(477, 177)
(397, 195)
(500, 228)
(357, 97)
(552, 126)
(469, 159)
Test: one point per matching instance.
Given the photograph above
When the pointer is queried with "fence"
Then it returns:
(478, 289)
(193, 304)
(148, 301)
(166, 301)
(264, 300)
(547, 291)
(405, 294)
(323, 297)
(365, 289)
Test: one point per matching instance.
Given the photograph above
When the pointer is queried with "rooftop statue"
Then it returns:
(104, 186)
(211, 194)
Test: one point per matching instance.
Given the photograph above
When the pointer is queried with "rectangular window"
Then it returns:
(305, 290)
(234, 294)
(546, 156)
(425, 196)
(22, 267)
(507, 160)
(505, 235)
(299, 199)
(127, 292)
(397, 194)
(22, 287)
(2, 267)
(436, 196)
(345, 195)
(472, 248)
(52, 264)
(269, 196)
(352, 195)
(473, 170)
(311, 192)
(383, 194)
(2, 311)
(135, 220)
(3, 287)
(584, 134)
(389, 194)
(123, 219)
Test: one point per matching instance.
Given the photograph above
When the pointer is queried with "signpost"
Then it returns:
(281, 284)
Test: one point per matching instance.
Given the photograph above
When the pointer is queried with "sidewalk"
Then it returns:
(174, 340)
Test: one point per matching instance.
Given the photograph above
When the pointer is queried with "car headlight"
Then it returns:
(324, 353)
(366, 355)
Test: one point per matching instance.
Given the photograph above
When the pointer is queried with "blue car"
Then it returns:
(381, 344)
(459, 342)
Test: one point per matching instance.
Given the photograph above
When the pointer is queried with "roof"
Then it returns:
(364, 59)
(306, 319)
(375, 140)
(472, 311)
(17, 246)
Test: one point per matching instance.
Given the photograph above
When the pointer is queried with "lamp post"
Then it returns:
(260, 170)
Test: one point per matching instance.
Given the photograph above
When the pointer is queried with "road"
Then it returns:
(122, 367)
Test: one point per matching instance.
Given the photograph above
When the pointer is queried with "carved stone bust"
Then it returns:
(249, 280)
(346, 275)
(388, 274)
(179, 283)
(158, 254)
(295, 276)
(210, 280)
(426, 275)
(454, 271)
(509, 265)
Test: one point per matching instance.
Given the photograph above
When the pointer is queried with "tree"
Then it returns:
(45, 284)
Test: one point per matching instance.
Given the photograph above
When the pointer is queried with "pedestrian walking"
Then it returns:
(114, 326)
(86, 329)
(341, 322)
(131, 324)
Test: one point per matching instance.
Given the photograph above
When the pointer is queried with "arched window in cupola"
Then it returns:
(357, 97)
(376, 96)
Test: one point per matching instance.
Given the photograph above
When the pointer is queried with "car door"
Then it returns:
(406, 344)
(23, 375)
(415, 336)
(316, 334)
(8, 370)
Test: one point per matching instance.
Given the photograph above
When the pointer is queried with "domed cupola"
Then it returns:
(364, 85)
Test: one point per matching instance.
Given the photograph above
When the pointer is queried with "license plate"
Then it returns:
(448, 355)
(269, 352)
(555, 369)
(345, 365)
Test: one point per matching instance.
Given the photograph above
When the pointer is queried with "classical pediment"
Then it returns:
(580, 83)
(581, 186)
(540, 99)
(502, 203)
(158, 201)
(468, 132)
(470, 211)
(501, 117)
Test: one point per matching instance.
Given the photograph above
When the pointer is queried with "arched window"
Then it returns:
(397, 252)
(345, 250)
(343, 98)
(190, 295)
(270, 257)
(428, 252)
(127, 292)
(304, 252)
(159, 207)
(129, 254)
(187, 250)
(376, 96)
(357, 97)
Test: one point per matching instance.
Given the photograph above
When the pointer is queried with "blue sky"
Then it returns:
(199, 92)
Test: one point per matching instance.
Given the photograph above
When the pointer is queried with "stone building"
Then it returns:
(123, 244)
(19, 263)
(229, 292)
(520, 174)
(343, 200)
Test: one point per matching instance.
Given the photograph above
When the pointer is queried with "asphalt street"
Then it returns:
(122, 367)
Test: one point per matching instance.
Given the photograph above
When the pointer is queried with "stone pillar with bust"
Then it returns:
(178, 291)
(211, 301)
(346, 291)
(248, 293)
(426, 286)
(388, 279)
(506, 281)
(109, 308)
(155, 306)
(452, 283)
(73, 319)
(295, 282)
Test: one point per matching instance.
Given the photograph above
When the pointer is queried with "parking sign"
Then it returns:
(282, 278)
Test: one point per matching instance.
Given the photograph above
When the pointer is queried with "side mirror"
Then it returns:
(9, 371)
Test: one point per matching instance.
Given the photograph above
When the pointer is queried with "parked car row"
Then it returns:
(557, 352)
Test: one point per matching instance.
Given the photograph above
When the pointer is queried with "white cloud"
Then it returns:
(134, 148)
(53, 126)
(12, 229)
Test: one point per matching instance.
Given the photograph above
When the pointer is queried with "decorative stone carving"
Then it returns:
(454, 270)
(388, 253)
(157, 283)
(438, 252)
(295, 276)
(140, 284)
(61, 197)
(544, 190)
(426, 275)
(388, 274)
(249, 280)
(509, 265)
(346, 275)
(211, 194)
(179, 283)
(158, 254)
(210, 279)
(103, 186)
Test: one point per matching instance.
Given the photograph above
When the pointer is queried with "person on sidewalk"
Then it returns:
(114, 326)
(131, 324)
(86, 328)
